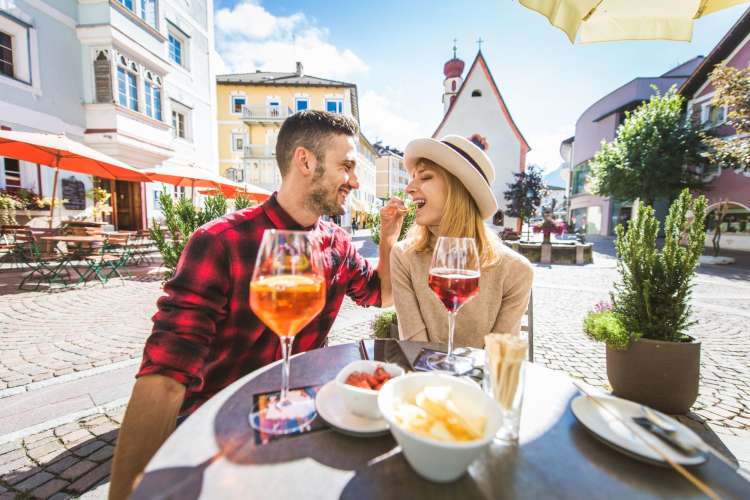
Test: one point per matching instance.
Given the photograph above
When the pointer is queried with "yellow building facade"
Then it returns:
(251, 109)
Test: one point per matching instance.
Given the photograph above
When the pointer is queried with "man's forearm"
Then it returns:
(384, 273)
(149, 420)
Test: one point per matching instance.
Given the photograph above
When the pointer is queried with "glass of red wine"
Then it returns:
(454, 278)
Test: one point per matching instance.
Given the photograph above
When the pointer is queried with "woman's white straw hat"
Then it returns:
(462, 158)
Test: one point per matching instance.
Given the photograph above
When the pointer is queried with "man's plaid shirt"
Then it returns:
(205, 336)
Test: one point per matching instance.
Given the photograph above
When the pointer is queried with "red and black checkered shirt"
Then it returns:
(205, 335)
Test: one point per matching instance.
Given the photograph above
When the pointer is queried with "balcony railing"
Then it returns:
(265, 113)
(260, 151)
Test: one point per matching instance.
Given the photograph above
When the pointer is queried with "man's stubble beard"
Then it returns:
(321, 200)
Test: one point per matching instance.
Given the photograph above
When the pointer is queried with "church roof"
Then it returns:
(480, 64)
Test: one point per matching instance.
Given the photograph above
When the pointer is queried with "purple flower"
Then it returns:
(602, 306)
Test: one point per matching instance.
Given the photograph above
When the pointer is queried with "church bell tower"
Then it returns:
(452, 83)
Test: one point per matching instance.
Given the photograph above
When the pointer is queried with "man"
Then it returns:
(205, 335)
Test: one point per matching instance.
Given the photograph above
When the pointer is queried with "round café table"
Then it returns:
(213, 454)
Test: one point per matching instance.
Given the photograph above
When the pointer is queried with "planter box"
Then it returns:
(663, 375)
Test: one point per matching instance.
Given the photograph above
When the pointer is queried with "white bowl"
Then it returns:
(363, 402)
(438, 460)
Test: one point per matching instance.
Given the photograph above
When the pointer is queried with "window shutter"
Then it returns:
(103, 78)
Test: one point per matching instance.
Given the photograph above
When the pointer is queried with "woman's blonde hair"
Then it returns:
(460, 219)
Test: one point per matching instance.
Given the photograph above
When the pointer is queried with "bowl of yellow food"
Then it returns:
(442, 423)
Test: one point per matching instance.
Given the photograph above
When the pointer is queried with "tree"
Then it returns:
(182, 218)
(733, 91)
(649, 157)
(374, 221)
(525, 194)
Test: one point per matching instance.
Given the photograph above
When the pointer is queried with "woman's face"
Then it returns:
(428, 190)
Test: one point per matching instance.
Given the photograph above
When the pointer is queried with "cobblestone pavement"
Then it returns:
(47, 335)
(60, 463)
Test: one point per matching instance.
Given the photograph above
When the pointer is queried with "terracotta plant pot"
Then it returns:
(662, 375)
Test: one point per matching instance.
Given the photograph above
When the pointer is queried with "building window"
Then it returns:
(180, 192)
(178, 124)
(580, 177)
(153, 99)
(713, 116)
(476, 93)
(17, 55)
(148, 12)
(6, 54)
(127, 88)
(335, 106)
(238, 102)
(128, 4)
(301, 104)
(175, 49)
(238, 142)
(12, 174)
(274, 108)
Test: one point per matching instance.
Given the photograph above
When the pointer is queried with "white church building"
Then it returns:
(474, 108)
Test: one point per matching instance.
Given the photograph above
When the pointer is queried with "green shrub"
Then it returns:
(374, 223)
(182, 218)
(242, 201)
(381, 325)
(605, 326)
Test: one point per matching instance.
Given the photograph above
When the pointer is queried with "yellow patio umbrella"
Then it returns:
(610, 20)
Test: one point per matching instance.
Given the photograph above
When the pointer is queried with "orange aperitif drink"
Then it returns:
(287, 303)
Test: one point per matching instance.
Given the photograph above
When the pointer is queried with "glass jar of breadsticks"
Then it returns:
(504, 379)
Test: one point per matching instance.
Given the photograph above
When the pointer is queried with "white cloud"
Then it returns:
(248, 37)
(545, 148)
(382, 120)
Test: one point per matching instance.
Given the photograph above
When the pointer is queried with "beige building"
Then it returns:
(391, 172)
(251, 109)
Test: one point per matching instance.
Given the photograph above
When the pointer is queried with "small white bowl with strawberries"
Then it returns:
(359, 383)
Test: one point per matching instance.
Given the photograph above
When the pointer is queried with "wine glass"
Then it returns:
(287, 291)
(454, 277)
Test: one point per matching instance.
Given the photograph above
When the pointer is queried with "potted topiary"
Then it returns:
(650, 357)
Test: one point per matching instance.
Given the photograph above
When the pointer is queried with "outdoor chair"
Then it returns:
(44, 267)
(141, 246)
(528, 326)
(109, 260)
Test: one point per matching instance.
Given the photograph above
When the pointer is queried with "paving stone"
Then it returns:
(103, 453)
(77, 470)
(66, 429)
(40, 442)
(34, 481)
(49, 488)
(90, 479)
(17, 471)
(61, 496)
(12, 456)
(46, 449)
(76, 436)
(62, 464)
(8, 496)
(87, 449)
(37, 437)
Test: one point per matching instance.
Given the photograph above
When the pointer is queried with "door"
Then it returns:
(128, 205)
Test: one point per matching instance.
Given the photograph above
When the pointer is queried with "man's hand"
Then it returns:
(391, 219)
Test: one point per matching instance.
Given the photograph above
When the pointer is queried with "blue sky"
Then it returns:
(395, 50)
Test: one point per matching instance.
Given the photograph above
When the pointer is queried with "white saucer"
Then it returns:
(622, 436)
(333, 410)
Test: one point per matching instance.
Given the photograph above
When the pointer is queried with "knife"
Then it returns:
(670, 438)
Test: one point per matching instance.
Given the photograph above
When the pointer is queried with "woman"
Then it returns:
(450, 184)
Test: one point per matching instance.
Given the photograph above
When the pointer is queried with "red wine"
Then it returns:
(454, 287)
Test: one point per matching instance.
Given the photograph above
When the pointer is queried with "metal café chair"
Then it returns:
(43, 266)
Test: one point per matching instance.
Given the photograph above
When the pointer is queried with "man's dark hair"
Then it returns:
(313, 130)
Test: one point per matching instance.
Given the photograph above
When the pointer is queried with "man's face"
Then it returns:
(334, 177)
